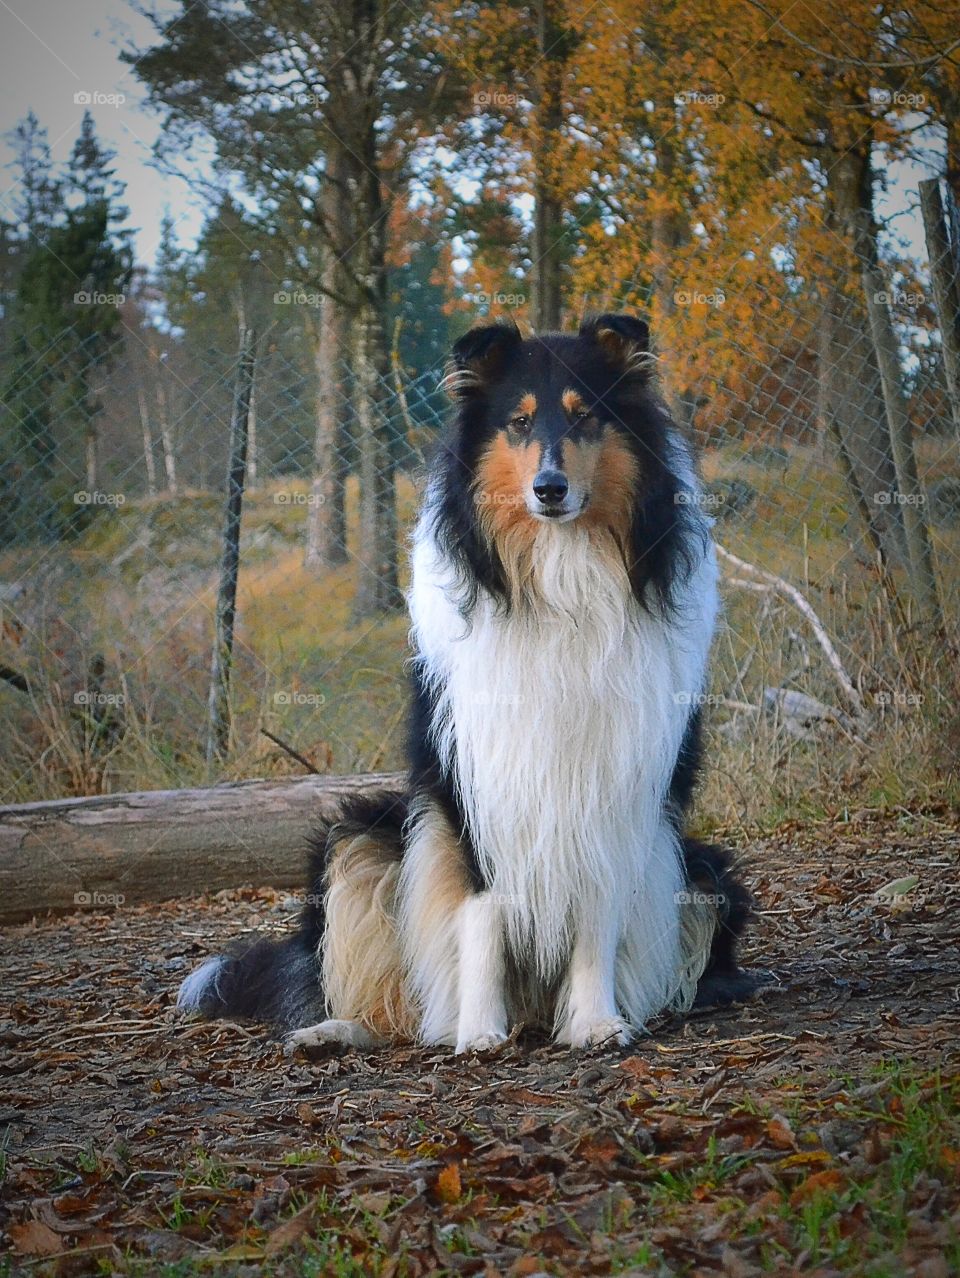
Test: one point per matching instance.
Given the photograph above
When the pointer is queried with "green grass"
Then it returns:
(708, 1175)
(919, 1117)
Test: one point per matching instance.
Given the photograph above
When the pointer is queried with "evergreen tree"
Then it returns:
(64, 325)
(39, 199)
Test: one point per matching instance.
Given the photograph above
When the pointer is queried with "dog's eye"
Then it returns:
(520, 424)
(582, 415)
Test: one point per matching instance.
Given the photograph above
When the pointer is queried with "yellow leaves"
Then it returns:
(809, 1158)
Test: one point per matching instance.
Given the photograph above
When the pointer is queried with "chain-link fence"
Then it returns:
(835, 491)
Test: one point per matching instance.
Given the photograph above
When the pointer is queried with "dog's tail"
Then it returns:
(279, 981)
(711, 872)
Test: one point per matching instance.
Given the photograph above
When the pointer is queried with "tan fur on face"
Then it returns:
(605, 468)
(572, 402)
(580, 462)
(504, 475)
(362, 967)
(613, 490)
(527, 406)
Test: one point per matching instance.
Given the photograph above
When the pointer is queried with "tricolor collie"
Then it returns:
(563, 600)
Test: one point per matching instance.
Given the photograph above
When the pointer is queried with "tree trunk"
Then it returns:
(326, 520)
(548, 248)
(856, 405)
(90, 441)
(945, 277)
(670, 231)
(218, 720)
(122, 849)
(377, 586)
(326, 517)
(833, 395)
(148, 457)
(252, 473)
(166, 436)
(923, 579)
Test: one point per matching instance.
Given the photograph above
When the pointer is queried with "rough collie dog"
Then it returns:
(563, 600)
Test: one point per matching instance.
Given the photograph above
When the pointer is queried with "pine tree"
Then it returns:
(64, 326)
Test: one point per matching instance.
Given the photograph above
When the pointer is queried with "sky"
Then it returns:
(51, 51)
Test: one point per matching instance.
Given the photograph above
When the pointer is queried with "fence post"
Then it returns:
(218, 707)
(909, 489)
(945, 277)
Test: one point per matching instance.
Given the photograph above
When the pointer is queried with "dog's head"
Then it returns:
(552, 420)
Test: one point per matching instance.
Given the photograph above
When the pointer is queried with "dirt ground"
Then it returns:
(815, 1130)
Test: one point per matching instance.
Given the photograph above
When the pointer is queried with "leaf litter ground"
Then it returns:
(814, 1130)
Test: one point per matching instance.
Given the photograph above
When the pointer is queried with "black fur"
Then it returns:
(687, 768)
(602, 364)
(428, 777)
(279, 981)
(265, 980)
(710, 870)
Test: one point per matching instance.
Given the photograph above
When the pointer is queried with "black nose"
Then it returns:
(550, 487)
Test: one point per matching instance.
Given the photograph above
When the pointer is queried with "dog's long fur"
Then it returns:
(563, 600)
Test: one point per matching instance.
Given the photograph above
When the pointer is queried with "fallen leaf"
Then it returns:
(449, 1186)
(34, 1238)
(780, 1134)
(823, 1182)
(290, 1231)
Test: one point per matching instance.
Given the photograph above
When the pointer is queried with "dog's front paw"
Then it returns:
(611, 1031)
(481, 1043)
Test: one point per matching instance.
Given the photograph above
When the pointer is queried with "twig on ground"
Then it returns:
(294, 754)
(789, 591)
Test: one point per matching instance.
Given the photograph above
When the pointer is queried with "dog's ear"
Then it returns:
(478, 356)
(624, 340)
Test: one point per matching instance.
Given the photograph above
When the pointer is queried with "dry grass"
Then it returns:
(137, 590)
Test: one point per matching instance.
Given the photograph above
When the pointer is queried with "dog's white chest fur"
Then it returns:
(561, 724)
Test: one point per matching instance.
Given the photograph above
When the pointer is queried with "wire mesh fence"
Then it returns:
(830, 668)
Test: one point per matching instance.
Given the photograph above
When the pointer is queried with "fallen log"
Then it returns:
(124, 849)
